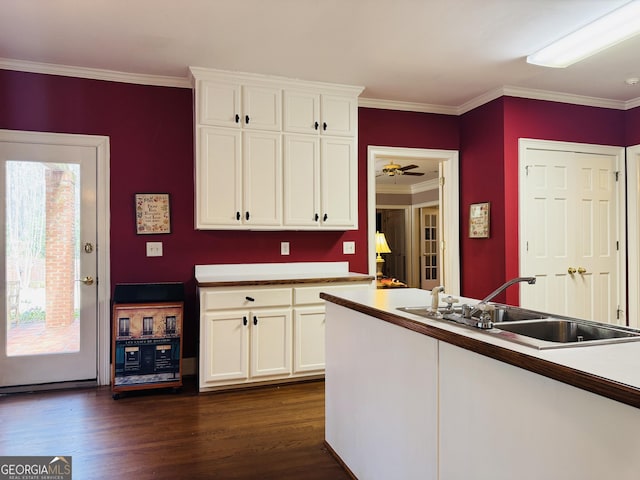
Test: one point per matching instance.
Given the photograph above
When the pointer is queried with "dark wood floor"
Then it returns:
(266, 433)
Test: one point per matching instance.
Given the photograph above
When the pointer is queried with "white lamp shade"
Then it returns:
(381, 243)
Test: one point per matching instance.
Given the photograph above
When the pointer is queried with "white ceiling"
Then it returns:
(435, 53)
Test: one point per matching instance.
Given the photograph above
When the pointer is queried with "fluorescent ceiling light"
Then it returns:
(605, 32)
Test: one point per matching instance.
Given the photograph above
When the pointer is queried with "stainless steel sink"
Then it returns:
(536, 329)
(563, 332)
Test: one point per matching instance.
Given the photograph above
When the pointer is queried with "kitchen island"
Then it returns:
(409, 397)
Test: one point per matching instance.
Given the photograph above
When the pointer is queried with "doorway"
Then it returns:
(393, 222)
(49, 243)
(448, 201)
(572, 232)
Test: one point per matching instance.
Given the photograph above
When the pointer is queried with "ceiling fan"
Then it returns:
(393, 169)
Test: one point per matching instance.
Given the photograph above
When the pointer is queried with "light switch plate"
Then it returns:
(284, 248)
(154, 249)
(349, 248)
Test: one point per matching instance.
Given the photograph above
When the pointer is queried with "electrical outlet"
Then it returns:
(348, 248)
(154, 249)
(284, 248)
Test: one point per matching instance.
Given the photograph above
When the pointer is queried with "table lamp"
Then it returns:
(381, 247)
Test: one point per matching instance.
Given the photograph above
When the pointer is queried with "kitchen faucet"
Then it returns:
(468, 313)
(435, 298)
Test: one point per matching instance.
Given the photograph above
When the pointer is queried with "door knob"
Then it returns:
(571, 270)
(582, 270)
(87, 280)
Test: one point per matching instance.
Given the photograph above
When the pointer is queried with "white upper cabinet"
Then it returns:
(233, 105)
(218, 104)
(274, 153)
(326, 114)
(239, 179)
(261, 108)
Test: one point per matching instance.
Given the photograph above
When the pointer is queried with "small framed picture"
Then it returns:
(153, 214)
(479, 220)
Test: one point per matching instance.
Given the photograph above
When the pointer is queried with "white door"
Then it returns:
(570, 239)
(429, 248)
(49, 244)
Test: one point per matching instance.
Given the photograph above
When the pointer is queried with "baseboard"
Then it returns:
(337, 458)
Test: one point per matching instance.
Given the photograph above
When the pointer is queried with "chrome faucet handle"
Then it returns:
(485, 321)
(449, 300)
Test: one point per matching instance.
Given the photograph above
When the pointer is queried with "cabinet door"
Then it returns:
(271, 342)
(308, 339)
(301, 112)
(219, 104)
(339, 183)
(262, 159)
(301, 180)
(261, 108)
(339, 115)
(224, 348)
(218, 178)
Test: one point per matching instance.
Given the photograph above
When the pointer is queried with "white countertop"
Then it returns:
(618, 362)
(275, 272)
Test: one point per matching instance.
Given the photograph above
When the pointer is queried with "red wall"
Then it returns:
(151, 144)
(482, 260)
(150, 130)
(520, 118)
(632, 127)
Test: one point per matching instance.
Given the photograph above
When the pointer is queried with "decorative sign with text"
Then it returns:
(152, 213)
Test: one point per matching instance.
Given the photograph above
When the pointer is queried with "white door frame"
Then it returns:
(633, 232)
(525, 144)
(101, 144)
(449, 206)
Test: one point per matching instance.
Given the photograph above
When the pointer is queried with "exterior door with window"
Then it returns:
(48, 243)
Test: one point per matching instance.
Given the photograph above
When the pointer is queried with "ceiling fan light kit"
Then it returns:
(393, 169)
(609, 30)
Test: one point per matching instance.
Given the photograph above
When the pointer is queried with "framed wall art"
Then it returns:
(153, 214)
(479, 220)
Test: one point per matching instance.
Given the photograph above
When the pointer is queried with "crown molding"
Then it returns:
(185, 82)
(560, 97)
(93, 73)
(406, 106)
(629, 104)
(504, 91)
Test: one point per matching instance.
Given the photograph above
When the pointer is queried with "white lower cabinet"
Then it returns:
(270, 332)
(262, 333)
(308, 339)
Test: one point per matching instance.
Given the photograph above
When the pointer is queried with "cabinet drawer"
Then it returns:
(310, 295)
(214, 299)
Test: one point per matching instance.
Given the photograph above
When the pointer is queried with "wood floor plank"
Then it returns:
(274, 432)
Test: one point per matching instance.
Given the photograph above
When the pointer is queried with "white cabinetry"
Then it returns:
(241, 182)
(245, 334)
(230, 104)
(262, 333)
(309, 112)
(320, 160)
(231, 187)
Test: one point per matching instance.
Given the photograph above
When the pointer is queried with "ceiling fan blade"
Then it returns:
(417, 174)
(408, 167)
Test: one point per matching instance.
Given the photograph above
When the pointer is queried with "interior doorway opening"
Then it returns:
(445, 185)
